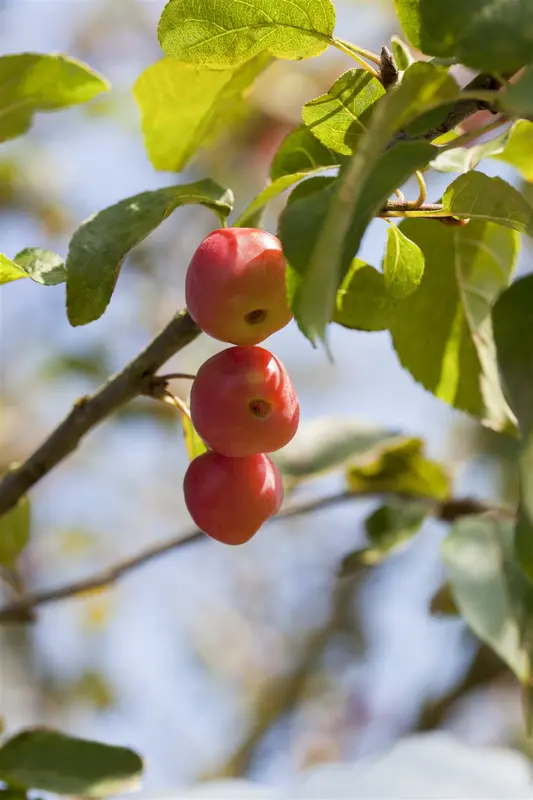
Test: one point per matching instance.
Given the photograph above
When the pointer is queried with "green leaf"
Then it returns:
(325, 444)
(464, 159)
(517, 99)
(442, 602)
(183, 108)
(98, 247)
(314, 281)
(476, 196)
(389, 528)
(301, 151)
(518, 150)
(14, 533)
(466, 268)
(218, 34)
(9, 271)
(363, 302)
(401, 52)
(490, 592)
(194, 444)
(273, 190)
(339, 118)
(53, 762)
(42, 266)
(400, 467)
(403, 265)
(495, 36)
(513, 333)
(363, 186)
(31, 82)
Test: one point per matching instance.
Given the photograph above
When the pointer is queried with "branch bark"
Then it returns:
(22, 609)
(88, 412)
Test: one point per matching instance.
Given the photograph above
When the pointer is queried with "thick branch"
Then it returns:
(21, 610)
(91, 411)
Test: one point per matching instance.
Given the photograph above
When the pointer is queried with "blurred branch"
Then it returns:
(483, 671)
(88, 412)
(283, 694)
(21, 610)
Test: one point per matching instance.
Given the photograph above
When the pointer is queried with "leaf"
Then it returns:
(31, 82)
(403, 265)
(98, 247)
(442, 333)
(184, 108)
(300, 151)
(14, 533)
(518, 150)
(517, 98)
(340, 117)
(217, 34)
(53, 762)
(494, 36)
(363, 302)
(490, 593)
(464, 159)
(389, 528)
(368, 179)
(273, 190)
(513, 333)
(476, 196)
(400, 467)
(401, 52)
(42, 266)
(9, 271)
(325, 444)
(194, 444)
(314, 281)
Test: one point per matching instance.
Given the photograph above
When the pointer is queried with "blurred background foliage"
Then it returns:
(214, 661)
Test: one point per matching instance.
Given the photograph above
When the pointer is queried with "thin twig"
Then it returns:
(89, 412)
(20, 610)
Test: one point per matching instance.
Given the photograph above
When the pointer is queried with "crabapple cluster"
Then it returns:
(243, 403)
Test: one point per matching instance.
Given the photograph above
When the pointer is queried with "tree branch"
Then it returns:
(22, 609)
(91, 411)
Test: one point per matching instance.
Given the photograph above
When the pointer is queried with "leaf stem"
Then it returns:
(368, 54)
(423, 192)
(340, 45)
(180, 404)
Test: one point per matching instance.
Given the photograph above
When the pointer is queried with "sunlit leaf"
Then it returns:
(403, 265)
(218, 34)
(476, 196)
(339, 118)
(300, 151)
(442, 333)
(31, 82)
(401, 468)
(183, 108)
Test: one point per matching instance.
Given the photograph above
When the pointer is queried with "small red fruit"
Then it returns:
(235, 286)
(230, 498)
(243, 402)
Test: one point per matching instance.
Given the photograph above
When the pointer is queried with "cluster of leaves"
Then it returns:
(443, 290)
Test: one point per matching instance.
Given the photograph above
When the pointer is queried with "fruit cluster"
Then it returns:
(243, 403)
